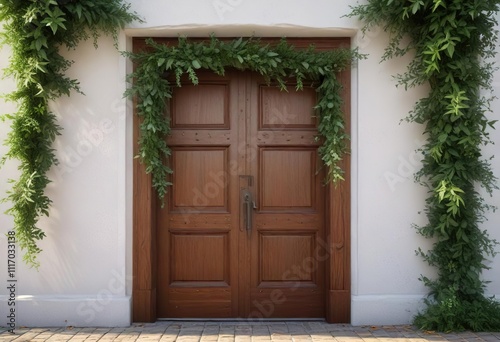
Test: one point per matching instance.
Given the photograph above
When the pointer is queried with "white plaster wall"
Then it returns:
(82, 279)
(86, 264)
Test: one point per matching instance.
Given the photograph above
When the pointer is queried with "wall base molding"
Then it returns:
(385, 309)
(69, 310)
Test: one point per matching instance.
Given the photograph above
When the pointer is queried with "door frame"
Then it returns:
(338, 215)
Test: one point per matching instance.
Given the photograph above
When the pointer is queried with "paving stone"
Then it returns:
(260, 331)
(211, 330)
(325, 336)
(7, 337)
(226, 339)
(489, 338)
(168, 338)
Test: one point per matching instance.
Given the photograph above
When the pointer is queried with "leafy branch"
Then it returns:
(453, 43)
(278, 63)
(36, 30)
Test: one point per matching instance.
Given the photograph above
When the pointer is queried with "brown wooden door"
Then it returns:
(234, 137)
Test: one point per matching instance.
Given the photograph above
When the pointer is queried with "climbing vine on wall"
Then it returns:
(36, 30)
(279, 63)
(453, 42)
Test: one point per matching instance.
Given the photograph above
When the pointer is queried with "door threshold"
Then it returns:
(242, 320)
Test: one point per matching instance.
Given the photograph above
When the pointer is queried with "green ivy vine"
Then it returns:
(36, 30)
(453, 42)
(279, 63)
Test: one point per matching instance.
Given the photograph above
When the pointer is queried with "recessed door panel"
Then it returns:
(199, 258)
(287, 180)
(292, 109)
(199, 179)
(205, 105)
(294, 260)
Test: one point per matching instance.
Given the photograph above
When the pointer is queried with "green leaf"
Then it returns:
(451, 50)
(169, 63)
(237, 43)
(78, 9)
(196, 64)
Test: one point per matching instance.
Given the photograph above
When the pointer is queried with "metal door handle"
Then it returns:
(249, 204)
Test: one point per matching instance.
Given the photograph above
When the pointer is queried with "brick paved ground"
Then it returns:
(243, 332)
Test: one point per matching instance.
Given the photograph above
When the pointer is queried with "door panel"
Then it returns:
(287, 278)
(287, 109)
(199, 258)
(199, 176)
(235, 137)
(287, 178)
(294, 248)
(198, 228)
(191, 104)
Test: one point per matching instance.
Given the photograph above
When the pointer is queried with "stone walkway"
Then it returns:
(169, 331)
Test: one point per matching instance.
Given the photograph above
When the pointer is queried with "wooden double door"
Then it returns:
(243, 233)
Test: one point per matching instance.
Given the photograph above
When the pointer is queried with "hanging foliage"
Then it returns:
(453, 42)
(36, 31)
(278, 63)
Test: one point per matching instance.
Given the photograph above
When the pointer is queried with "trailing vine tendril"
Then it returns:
(36, 31)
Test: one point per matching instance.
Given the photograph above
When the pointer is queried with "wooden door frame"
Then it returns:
(338, 217)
